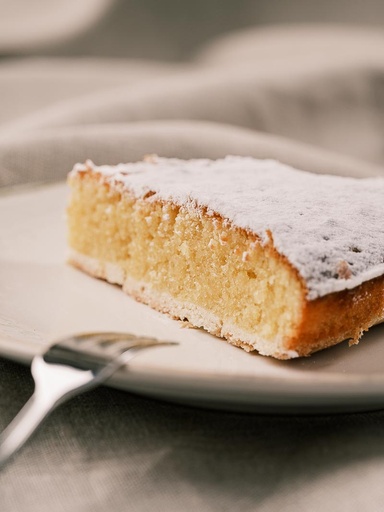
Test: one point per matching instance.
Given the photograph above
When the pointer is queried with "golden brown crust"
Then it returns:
(339, 316)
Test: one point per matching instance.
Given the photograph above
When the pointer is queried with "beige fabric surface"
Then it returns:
(313, 98)
(334, 102)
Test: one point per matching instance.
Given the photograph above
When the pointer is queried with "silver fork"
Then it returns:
(69, 367)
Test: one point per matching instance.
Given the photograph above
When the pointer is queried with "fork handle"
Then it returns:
(22, 427)
(48, 394)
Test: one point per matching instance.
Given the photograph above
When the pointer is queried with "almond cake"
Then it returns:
(271, 258)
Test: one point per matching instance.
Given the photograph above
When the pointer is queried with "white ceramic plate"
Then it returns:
(42, 298)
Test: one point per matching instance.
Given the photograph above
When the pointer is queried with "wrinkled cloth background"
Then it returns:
(112, 81)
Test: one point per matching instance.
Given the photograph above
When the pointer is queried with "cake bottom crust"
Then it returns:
(195, 315)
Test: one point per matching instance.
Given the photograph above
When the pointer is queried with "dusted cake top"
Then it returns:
(330, 228)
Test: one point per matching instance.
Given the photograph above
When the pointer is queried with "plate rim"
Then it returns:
(321, 385)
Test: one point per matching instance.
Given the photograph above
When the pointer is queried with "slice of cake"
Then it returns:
(273, 259)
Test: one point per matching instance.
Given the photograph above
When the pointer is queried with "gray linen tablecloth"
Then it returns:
(309, 96)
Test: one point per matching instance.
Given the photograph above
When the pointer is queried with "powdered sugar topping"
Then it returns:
(330, 228)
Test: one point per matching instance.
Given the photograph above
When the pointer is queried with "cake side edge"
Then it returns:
(325, 321)
(196, 316)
